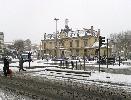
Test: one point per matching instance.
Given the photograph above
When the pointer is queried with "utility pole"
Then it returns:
(56, 48)
(29, 58)
(101, 42)
(40, 50)
(84, 63)
(107, 53)
(99, 55)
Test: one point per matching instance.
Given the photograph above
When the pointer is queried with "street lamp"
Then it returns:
(56, 19)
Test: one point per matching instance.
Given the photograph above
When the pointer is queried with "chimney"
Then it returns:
(98, 33)
(92, 30)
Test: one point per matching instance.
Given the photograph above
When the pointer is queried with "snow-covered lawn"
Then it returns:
(95, 75)
(114, 66)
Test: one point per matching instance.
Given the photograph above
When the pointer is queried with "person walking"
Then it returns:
(67, 64)
(21, 61)
(6, 66)
(72, 63)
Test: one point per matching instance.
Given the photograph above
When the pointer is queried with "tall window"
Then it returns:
(44, 45)
(71, 44)
(77, 52)
(104, 52)
(95, 39)
(85, 51)
(62, 43)
(85, 43)
(71, 50)
(50, 43)
(44, 51)
(77, 43)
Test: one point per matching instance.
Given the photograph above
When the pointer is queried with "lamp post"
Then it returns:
(107, 53)
(56, 19)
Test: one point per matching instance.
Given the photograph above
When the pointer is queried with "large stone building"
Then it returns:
(73, 43)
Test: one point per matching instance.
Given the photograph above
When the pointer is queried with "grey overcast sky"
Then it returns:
(30, 19)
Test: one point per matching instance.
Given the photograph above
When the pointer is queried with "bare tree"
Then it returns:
(35, 47)
(19, 46)
(27, 45)
(122, 42)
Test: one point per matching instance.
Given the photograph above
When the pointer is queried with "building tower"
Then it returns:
(67, 29)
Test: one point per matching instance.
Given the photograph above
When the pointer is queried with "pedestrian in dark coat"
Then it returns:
(72, 63)
(67, 64)
(21, 61)
(6, 66)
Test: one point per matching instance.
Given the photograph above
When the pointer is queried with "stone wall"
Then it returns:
(45, 89)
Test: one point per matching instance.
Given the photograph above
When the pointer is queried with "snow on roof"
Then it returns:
(50, 36)
(103, 46)
(87, 47)
(79, 33)
(62, 48)
(76, 33)
(96, 44)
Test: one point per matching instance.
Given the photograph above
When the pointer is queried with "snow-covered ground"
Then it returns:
(115, 66)
(95, 75)
(9, 95)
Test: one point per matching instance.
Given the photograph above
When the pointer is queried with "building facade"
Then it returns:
(73, 43)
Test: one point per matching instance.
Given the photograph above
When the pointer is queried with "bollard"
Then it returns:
(60, 63)
(66, 63)
(76, 65)
(113, 61)
(84, 64)
(119, 60)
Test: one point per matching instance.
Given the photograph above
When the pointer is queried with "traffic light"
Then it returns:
(29, 56)
(101, 40)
